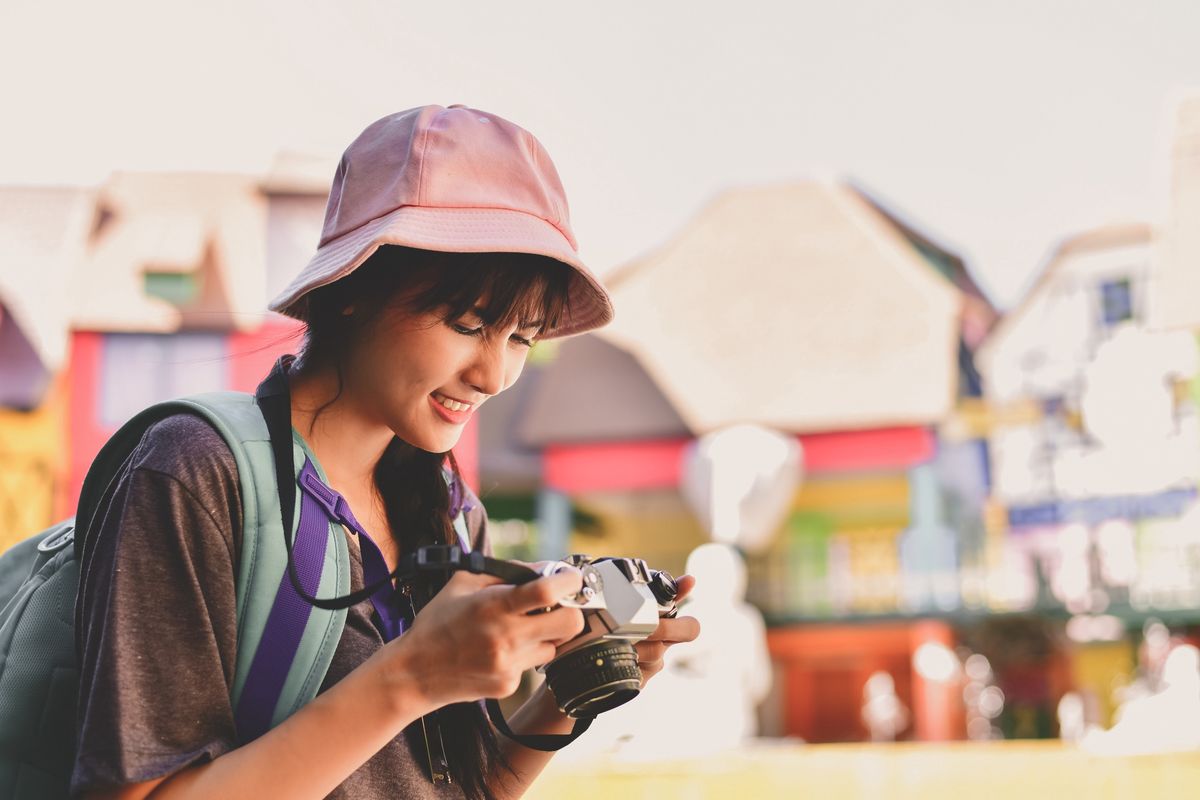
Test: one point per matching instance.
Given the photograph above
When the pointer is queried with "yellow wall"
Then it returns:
(653, 525)
(32, 464)
(857, 501)
(1099, 668)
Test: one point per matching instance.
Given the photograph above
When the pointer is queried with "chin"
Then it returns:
(433, 443)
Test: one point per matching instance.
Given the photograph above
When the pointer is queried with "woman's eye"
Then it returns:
(468, 331)
(464, 330)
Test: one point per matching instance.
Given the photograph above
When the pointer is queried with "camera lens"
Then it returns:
(595, 678)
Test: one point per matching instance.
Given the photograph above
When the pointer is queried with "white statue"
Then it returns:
(884, 714)
(707, 696)
(1166, 721)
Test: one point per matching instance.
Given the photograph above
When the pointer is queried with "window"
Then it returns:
(1116, 301)
(139, 369)
(178, 288)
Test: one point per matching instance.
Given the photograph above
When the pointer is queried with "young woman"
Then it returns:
(446, 254)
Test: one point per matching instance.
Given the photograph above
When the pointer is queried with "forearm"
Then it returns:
(539, 714)
(309, 754)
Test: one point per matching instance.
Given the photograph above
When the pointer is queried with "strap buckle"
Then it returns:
(448, 558)
(438, 557)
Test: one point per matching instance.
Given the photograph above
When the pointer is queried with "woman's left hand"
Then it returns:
(669, 632)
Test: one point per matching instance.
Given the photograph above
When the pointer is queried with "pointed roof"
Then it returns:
(296, 173)
(800, 307)
(43, 234)
(1015, 355)
(979, 313)
(209, 226)
(24, 377)
(595, 392)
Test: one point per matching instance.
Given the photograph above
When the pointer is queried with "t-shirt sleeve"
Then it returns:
(157, 633)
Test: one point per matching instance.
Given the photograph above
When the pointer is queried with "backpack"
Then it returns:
(285, 644)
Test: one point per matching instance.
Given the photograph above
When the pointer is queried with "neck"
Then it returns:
(346, 440)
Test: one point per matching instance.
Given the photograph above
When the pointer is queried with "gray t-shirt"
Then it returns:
(158, 631)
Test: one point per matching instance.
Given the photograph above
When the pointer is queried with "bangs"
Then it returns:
(529, 291)
(503, 288)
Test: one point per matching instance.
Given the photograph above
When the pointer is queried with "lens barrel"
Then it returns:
(595, 678)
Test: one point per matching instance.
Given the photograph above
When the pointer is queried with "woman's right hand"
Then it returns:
(476, 637)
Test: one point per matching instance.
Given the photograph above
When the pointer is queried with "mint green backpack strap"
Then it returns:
(263, 562)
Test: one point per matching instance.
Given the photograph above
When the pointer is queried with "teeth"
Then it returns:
(453, 405)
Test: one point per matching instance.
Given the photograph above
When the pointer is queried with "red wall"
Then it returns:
(85, 435)
(658, 463)
(825, 668)
(250, 355)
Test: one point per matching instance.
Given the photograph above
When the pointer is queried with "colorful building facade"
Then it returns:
(813, 310)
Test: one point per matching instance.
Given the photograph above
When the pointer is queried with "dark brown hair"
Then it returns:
(510, 288)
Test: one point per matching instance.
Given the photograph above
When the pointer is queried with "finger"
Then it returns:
(541, 654)
(533, 655)
(679, 629)
(545, 592)
(461, 583)
(539, 566)
(648, 652)
(557, 626)
(649, 670)
(685, 584)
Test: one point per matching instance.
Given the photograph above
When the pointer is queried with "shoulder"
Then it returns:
(187, 447)
(184, 456)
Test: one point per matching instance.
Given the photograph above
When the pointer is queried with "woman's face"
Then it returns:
(407, 366)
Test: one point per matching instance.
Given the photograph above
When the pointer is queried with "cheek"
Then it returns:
(387, 371)
(514, 368)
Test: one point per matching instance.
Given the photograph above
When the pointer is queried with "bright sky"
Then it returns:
(1000, 127)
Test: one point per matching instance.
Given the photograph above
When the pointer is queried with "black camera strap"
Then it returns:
(546, 742)
(274, 400)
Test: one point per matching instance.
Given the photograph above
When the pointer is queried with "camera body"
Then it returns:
(622, 600)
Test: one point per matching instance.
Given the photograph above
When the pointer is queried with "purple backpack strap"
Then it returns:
(286, 622)
(384, 597)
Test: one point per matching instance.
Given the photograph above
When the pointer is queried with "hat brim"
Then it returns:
(455, 230)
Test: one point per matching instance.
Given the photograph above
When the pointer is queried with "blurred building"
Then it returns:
(147, 287)
(1095, 458)
(43, 231)
(810, 309)
(169, 298)
(1177, 286)
(1095, 479)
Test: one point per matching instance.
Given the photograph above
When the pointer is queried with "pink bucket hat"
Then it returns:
(455, 180)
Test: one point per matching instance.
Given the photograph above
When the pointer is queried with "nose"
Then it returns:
(487, 373)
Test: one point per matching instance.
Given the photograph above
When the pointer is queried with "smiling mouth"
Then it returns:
(451, 404)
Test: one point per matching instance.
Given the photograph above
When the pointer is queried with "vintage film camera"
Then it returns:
(622, 600)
